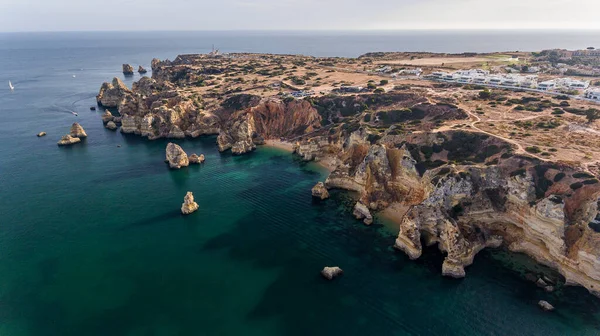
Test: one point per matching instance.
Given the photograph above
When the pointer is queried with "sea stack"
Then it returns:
(68, 140)
(127, 69)
(107, 116)
(189, 205)
(545, 305)
(77, 131)
(176, 157)
(41, 134)
(362, 212)
(195, 159)
(331, 272)
(111, 125)
(319, 191)
(141, 70)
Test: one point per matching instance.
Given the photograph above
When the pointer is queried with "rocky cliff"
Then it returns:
(462, 190)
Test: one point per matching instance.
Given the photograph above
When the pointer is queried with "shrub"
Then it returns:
(383, 82)
(582, 175)
(594, 181)
(576, 185)
(559, 177)
(533, 150)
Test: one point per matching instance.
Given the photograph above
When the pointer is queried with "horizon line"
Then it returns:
(307, 30)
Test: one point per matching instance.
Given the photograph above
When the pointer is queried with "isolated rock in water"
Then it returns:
(188, 205)
(127, 69)
(362, 212)
(545, 305)
(319, 191)
(92, 108)
(68, 140)
(111, 125)
(41, 134)
(176, 157)
(142, 70)
(107, 116)
(331, 272)
(77, 131)
(194, 158)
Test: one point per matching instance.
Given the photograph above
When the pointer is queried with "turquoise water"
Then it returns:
(92, 241)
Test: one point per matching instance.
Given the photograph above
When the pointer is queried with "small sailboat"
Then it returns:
(75, 113)
(10, 86)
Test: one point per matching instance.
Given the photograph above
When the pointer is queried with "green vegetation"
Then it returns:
(576, 185)
(582, 175)
(384, 82)
(559, 177)
(533, 150)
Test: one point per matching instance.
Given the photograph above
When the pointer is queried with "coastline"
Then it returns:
(327, 162)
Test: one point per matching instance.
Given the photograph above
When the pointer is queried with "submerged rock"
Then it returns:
(77, 131)
(362, 212)
(189, 205)
(142, 70)
(111, 125)
(68, 140)
(127, 69)
(545, 305)
(41, 134)
(331, 272)
(176, 157)
(107, 116)
(319, 191)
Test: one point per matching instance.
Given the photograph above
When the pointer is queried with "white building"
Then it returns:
(547, 85)
(593, 94)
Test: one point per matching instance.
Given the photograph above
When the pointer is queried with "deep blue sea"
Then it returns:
(92, 241)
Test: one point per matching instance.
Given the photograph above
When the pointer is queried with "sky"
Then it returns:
(136, 15)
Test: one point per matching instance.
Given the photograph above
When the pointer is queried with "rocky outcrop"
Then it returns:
(362, 212)
(41, 134)
(112, 94)
(77, 131)
(319, 191)
(545, 305)
(107, 116)
(195, 159)
(141, 70)
(127, 69)
(176, 157)
(68, 140)
(330, 273)
(271, 118)
(189, 206)
(111, 125)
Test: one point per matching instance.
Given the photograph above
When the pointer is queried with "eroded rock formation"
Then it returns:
(77, 131)
(189, 206)
(141, 70)
(195, 159)
(107, 116)
(176, 157)
(111, 125)
(127, 69)
(68, 140)
(319, 191)
(330, 273)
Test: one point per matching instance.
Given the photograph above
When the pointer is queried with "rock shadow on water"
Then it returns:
(155, 220)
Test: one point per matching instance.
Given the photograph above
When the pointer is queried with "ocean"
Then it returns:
(92, 241)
